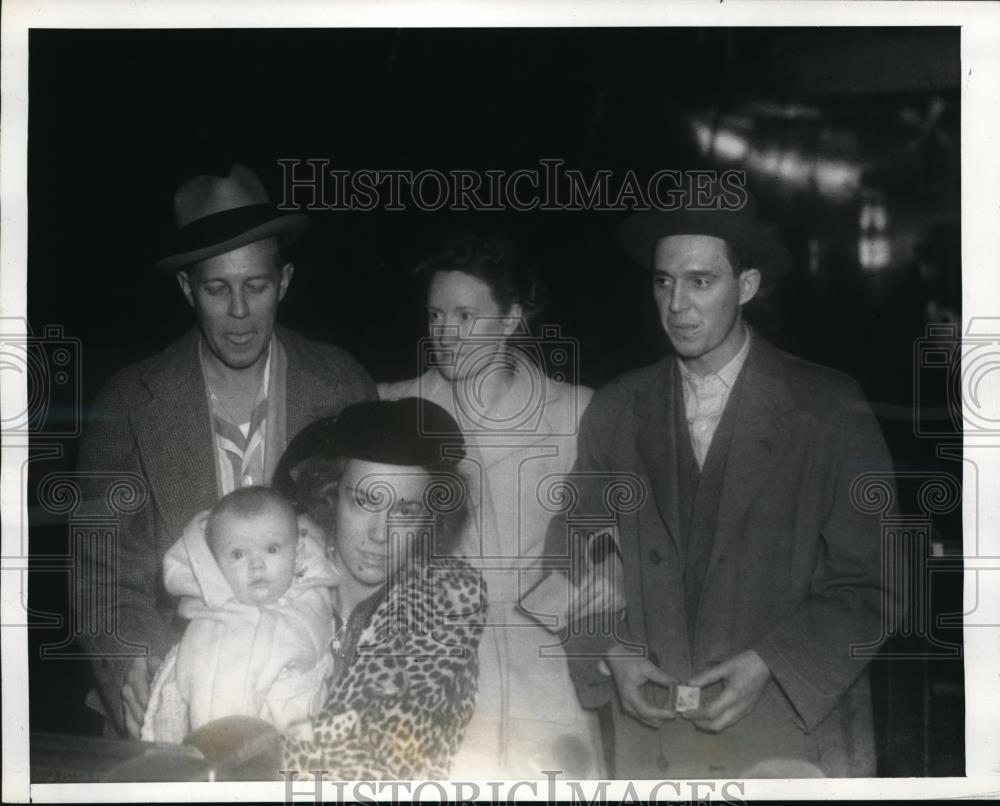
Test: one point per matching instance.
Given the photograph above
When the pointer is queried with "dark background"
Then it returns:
(848, 137)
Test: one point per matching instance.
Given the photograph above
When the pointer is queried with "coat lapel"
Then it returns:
(301, 405)
(656, 444)
(760, 440)
(174, 429)
(174, 434)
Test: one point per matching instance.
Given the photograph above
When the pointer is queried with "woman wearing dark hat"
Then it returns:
(379, 481)
(520, 425)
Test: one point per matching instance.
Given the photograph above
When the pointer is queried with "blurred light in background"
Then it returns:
(837, 179)
(814, 251)
(788, 153)
(874, 251)
(729, 145)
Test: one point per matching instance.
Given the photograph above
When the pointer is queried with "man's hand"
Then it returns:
(630, 674)
(135, 692)
(744, 678)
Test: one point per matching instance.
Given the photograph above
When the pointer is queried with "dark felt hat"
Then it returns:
(411, 431)
(216, 214)
(752, 239)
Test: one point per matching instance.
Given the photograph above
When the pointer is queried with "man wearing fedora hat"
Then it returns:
(749, 574)
(210, 413)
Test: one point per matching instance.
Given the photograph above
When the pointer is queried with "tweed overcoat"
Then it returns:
(794, 569)
(152, 419)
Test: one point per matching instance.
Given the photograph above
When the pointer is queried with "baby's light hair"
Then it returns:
(247, 502)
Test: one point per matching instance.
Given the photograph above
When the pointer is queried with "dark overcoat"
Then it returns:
(793, 570)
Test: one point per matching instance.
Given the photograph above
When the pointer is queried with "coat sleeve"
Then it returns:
(400, 711)
(583, 652)
(354, 383)
(346, 380)
(810, 652)
(121, 604)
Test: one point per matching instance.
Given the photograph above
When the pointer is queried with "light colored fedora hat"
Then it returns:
(216, 214)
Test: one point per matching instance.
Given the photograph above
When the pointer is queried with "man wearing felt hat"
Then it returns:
(749, 573)
(209, 414)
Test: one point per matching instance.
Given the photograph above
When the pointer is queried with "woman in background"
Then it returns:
(481, 365)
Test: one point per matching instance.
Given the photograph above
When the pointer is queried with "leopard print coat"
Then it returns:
(406, 684)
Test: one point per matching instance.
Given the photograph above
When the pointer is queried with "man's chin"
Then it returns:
(686, 350)
(239, 359)
(236, 364)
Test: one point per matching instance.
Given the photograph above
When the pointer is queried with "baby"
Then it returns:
(256, 591)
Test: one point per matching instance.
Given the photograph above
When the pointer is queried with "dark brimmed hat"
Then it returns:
(216, 214)
(741, 228)
(410, 431)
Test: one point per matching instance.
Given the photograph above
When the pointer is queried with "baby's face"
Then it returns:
(257, 554)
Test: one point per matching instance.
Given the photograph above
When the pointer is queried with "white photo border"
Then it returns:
(980, 54)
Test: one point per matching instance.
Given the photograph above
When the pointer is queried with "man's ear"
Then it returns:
(286, 278)
(184, 281)
(749, 285)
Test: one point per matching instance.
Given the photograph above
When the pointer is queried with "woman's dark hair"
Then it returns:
(493, 259)
(404, 432)
(311, 485)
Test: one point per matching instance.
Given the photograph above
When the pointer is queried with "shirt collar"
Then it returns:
(728, 373)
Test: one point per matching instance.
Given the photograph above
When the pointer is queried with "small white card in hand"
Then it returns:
(687, 698)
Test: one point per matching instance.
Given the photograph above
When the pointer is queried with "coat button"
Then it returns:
(654, 557)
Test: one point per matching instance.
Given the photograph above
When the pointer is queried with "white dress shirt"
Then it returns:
(705, 399)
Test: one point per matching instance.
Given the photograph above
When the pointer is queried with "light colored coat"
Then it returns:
(527, 717)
